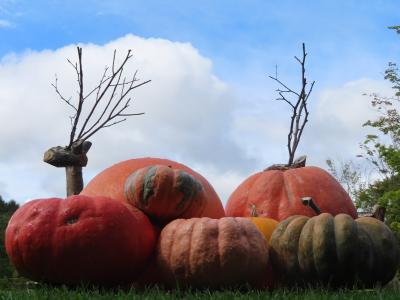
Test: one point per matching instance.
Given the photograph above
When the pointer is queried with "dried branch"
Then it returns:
(80, 101)
(109, 99)
(300, 112)
(68, 101)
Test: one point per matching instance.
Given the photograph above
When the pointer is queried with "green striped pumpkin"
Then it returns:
(334, 250)
(165, 193)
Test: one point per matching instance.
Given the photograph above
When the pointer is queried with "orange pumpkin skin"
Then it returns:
(164, 193)
(212, 253)
(110, 183)
(265, 225)
(80, 239)
(277, 194)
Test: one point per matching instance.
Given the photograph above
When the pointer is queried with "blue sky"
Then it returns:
(231, 45)
(236, 35)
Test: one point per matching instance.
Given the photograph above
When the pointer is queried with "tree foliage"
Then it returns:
(350, 175)
(6, 210)
(382, 149)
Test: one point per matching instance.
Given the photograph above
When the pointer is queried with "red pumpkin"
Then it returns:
(80, 239)
(111, 181)
(164, 193)
(276, 194)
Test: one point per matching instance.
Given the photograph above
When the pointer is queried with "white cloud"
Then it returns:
(335, 129)
(188, 114)
(224, 182)
(5, 24)
(191, 117)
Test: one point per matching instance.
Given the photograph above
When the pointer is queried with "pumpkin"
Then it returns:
(265, 225)
(212, 253)
(275, 194)
(164, 193)
(334, 250)
(80, 239)
(111, 181)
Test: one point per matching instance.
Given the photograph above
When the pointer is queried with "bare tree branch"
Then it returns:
(111, 93)
(300, 113)
(80, 100)
(68, 101)
(105, 105)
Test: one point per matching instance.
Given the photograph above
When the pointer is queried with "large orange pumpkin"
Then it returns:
(110, 182)
(276, 194)
(81, 239)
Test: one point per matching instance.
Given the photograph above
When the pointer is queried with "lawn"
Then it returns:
(17, 289)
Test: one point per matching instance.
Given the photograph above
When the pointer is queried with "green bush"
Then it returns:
(6, 211)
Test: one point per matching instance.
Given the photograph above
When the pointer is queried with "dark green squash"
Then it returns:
(334, 250)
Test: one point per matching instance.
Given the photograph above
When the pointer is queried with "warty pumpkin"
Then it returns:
(110, 182)
(276, 192)
(164, 193)
(334, 250)
(212, 253)
(80, 239)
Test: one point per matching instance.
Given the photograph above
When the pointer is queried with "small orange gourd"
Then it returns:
(265, 225)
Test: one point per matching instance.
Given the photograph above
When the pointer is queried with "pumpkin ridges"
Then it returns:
(218, 253)
(229, 231)
(382, 241)
(179, 249)
(345, 233)
(289, 243)
(199, 251)
(161, 181)
(148, 185)
(164, 193)
(164, 190)
(189, 187)
(171, 239)
(306, 241)
(268, 208)
(336, 253)
(324, 247)
(192, 208)
(190, 234)
(253, 246)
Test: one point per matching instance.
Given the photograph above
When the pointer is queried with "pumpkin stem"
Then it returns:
(298, 163)
(308, 201)
(253, 212)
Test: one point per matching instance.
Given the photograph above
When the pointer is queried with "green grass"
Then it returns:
(20, 289)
